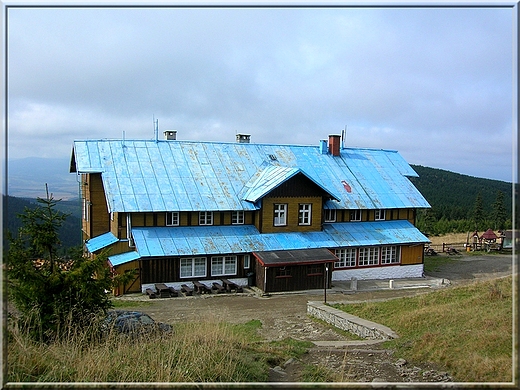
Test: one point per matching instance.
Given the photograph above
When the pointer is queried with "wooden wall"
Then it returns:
(413, 254)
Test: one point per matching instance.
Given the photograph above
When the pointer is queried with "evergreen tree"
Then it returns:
(478, 211)
(52, 291)
(499, 212)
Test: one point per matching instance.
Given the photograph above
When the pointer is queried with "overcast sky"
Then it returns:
(436, 84)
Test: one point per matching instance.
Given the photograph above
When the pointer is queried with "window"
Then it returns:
(223, 265)
(280, 214)
(355, 215)
(380, 215)
(369, 256)
(346, 258)
(86, 209)
(206, 218)
(389, 254)
(237, 217)
(193, 267)
(282, 272)
(329, 215)
(172, 218)
(247, 262)
(304, 214)
(314, 270)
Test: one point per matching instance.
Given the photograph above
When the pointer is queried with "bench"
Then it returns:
(151, 293)
(229, 286)
(163, 290)
(217, 286)
(201, 288)
(186, 289)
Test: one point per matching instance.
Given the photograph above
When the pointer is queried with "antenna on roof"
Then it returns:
(156, 128)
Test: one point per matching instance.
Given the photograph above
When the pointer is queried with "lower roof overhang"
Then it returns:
(282, 258)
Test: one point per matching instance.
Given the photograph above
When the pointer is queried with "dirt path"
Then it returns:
(285, 316)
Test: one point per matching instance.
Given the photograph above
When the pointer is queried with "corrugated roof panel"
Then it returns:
(244, 239)
(196, 176)
(100, 242)
(123, 258)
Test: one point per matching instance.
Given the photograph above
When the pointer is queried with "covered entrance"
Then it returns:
(294, 270)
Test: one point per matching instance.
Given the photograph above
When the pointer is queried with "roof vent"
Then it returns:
(273, 157)
(170, 135)
(243, 138)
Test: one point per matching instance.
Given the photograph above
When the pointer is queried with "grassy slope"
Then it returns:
(467, 330)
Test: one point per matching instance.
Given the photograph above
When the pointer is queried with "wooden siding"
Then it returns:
(132, 287)
(266, 217)
(94, 194)
(296, 278)
(413, 254)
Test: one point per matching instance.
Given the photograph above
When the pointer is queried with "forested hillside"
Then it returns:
(455, 198)
(70, 232)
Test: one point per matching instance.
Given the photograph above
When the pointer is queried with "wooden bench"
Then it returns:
(163, 290)
(201, 288)
(220, 288)
(230, 286)
(186, 289)
(151, 293)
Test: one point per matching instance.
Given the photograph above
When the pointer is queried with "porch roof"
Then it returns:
(293, 257)
(100, 242)
(204, 240)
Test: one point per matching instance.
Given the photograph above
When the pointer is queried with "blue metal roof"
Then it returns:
(147, 176)
(202, 240)
(123, 258)
(100, 242)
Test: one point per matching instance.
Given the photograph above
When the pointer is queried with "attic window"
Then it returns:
(273, 157)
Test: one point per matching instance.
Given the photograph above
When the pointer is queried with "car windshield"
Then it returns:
(144, 319)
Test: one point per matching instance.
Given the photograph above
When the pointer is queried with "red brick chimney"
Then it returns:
(334, 144)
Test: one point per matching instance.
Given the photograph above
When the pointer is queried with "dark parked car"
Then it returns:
(132, 323)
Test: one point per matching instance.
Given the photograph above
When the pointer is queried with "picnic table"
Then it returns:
(201, 288)
(229, 286)
(217, 286)
(151, 293)
(163, 290)
(186, 289)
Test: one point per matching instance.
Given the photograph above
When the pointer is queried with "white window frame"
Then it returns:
(355, 215)
(194, 264)
(304, 214)
(280, 214)
(390, 254)
(237, 217)
(368, 256)
(205, 218)
(329, 215)
(172, 218)
(346, 256)
(223, 265)
(247, 262)
(380, 214)
(86, 210)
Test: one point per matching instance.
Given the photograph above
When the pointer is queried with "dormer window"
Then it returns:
(329, 215)
(237, 218)
(355, 215)
(280, 214)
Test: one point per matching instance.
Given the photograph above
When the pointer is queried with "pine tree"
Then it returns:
(499, 212)
(52, 291)
(478, 211)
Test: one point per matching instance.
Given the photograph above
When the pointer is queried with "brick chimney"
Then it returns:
(334, 144)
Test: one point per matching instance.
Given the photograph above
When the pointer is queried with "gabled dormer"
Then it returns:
(287, 200)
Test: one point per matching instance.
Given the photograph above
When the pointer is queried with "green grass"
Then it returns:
(466, 331)
(433, 263)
